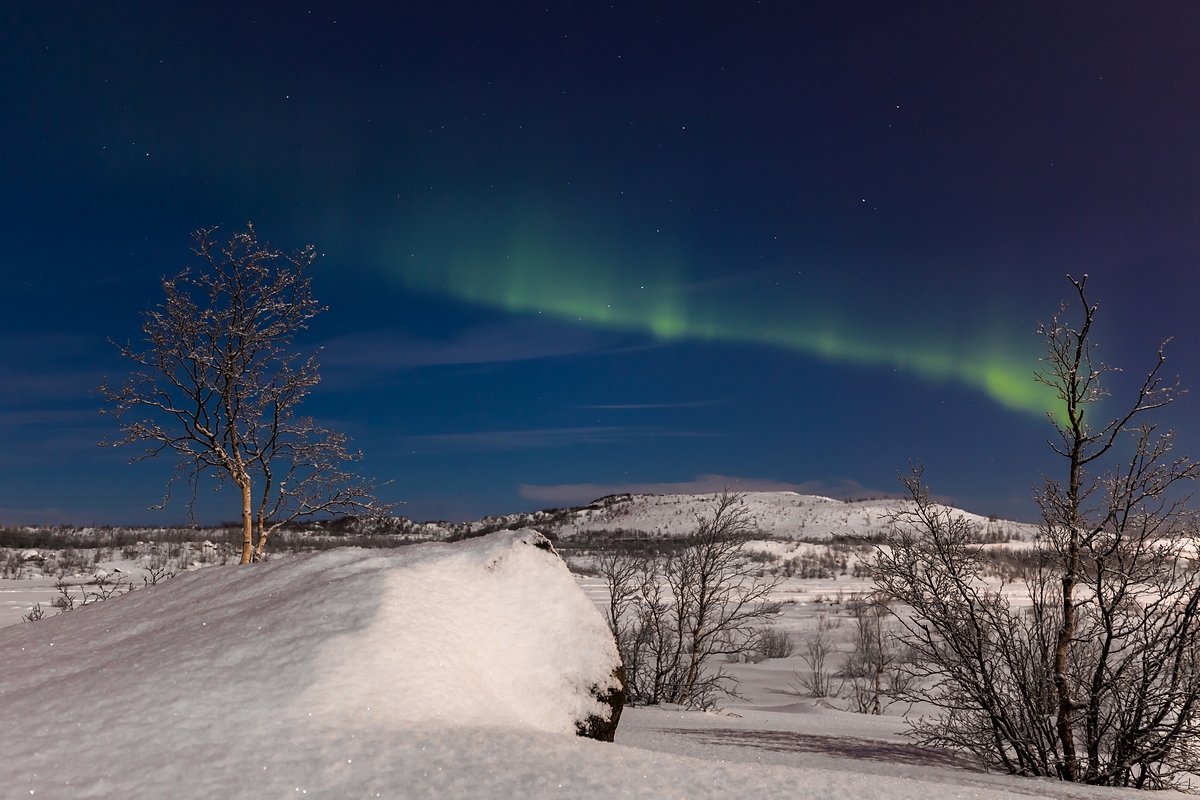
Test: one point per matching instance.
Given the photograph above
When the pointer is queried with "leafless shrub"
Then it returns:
(1098, 679)
(155, 574)
(773, 642)
(13, 565)
(101, 588)
(872, 675)
(65, 599)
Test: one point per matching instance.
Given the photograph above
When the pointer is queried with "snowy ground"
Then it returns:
(772, 723)
(17, 597)
(428, 672)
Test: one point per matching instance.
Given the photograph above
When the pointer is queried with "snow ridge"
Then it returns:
(781, 515)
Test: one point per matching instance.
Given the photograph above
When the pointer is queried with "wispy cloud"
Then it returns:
(577, 493)
(382, 352)
(540, 438)
(49, 410)
(648, 406)
(52, 368)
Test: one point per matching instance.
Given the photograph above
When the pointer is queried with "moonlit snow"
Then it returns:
(783, 515)
(434, 671)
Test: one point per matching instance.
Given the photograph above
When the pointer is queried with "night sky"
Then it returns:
(573, 249)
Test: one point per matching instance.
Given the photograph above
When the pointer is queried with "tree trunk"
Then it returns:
(260, 549)
(1069, 770)
(247, 525)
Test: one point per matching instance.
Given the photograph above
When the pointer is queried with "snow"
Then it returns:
(434, 671)
(241, 666)
(786, 515)
(508, 649)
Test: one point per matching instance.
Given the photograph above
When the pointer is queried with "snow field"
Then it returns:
(436, 671)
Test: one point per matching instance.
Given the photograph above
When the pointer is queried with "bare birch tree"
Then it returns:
(873, 671)
(1094, 676)
(216, 383)
(818, 647)
(674, 614)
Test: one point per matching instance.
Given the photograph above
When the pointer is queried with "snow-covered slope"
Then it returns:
(785, 515)
(199, 686)
(436, 671)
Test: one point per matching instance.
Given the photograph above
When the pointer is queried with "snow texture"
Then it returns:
(434, 671)
(227, 670)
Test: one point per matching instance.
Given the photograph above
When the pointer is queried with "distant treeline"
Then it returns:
(348, 532)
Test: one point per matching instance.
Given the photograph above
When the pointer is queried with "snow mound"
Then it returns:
(230, 669)
(489, 632)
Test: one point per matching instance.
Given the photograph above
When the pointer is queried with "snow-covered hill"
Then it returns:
(784, 515)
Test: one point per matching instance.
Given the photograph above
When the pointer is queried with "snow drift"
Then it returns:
(220, 669)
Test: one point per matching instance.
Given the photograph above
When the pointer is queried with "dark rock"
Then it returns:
(598, 728)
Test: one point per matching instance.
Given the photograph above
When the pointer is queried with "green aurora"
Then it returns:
(578, 283)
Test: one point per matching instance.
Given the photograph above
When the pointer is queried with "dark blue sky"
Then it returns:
(572, 250)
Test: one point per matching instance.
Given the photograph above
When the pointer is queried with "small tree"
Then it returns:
(818, 647)
(873, 675)
(217, 383)
(671, 615)
(1094, 675)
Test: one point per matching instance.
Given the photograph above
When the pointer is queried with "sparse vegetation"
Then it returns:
(773, 642)
(873, 674)
(817, 682)
(98, 589)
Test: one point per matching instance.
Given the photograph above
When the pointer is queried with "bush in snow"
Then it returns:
(773, 642)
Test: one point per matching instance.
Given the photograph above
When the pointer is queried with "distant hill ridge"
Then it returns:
(777, 515)
(783, 515)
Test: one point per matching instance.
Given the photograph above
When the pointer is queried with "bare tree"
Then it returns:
(1093, 675)
(673, 614)
(621, 572)
(217, 383)
(818, 681)
(873, 675)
